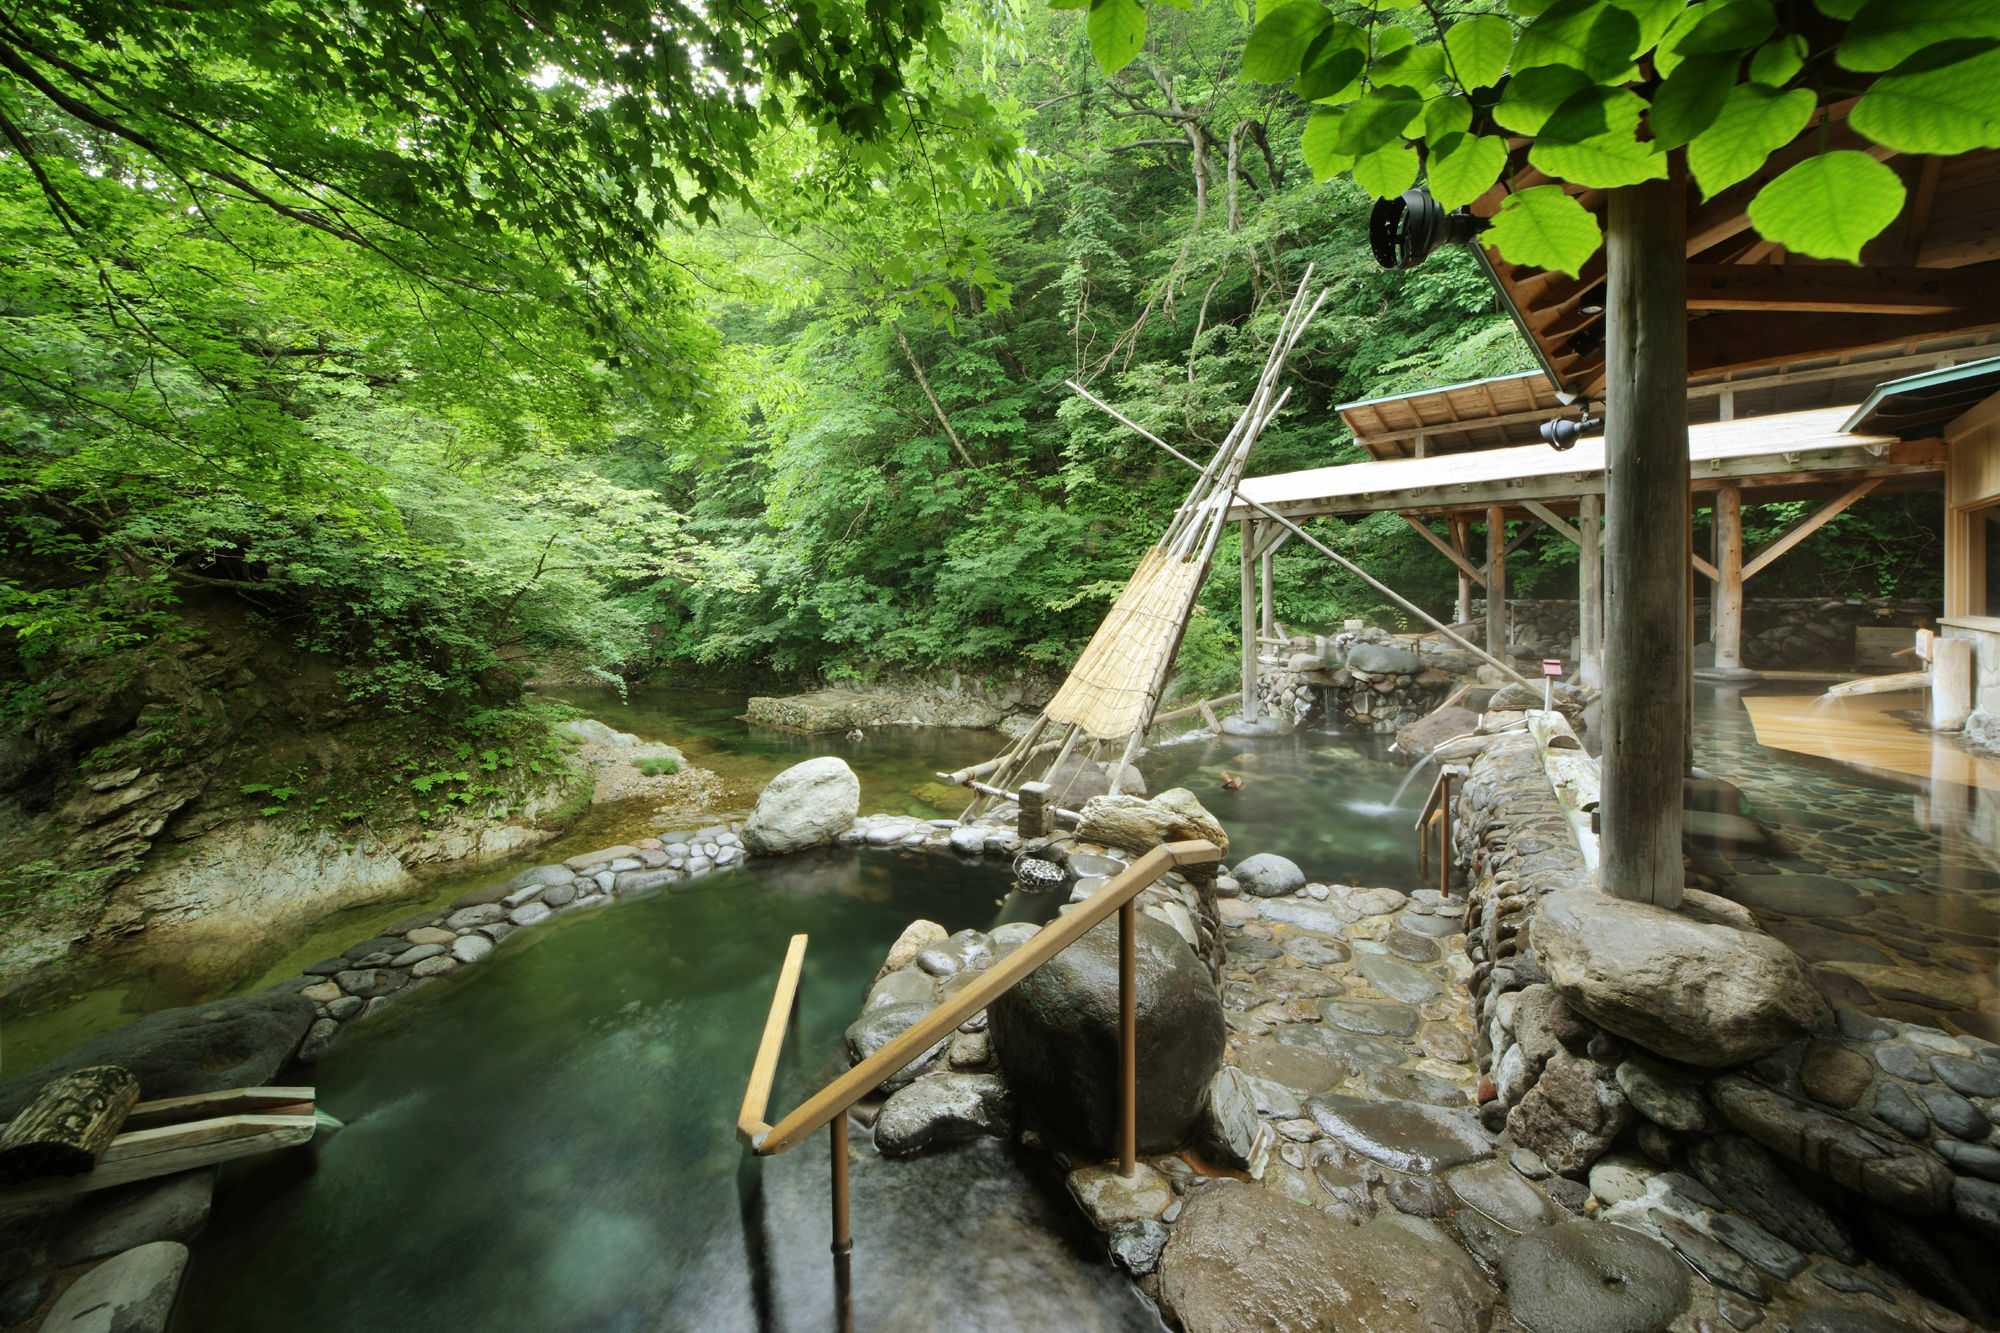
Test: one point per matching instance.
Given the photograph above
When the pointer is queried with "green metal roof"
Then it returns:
(1917, 405)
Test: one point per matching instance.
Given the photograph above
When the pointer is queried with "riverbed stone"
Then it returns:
(1135, 1246)
(471, 948)
(1889, 1171)
(323, 992)
(1977, 1203)
(1410, 947)
(1953, 1114)
(1372, 1019)
(132, 1293)
(1403, 1136)
(1300, 1069)
(807, 805)
(1968, 1077)
(542, 876)
(470, 918)
(1971, 1159)
(1589, 1277)
(1705, 994)
(233, 1043)
(1745, 1176)
(1846, 1319)
(1904, 1062)
(1245, 1258)
(1497, 1190)
(1433, 927)
(415, 954)
(1109, 1197)
(1575, 1111)
(1056, 1036)
(1398, 980)
(941, 1109)
(431, 935)
(1229, 1129)
(560, 895)
(1661, 1095)
(532, 914)
(1835, 1075)
(1267, 875)
(111, 1221)
(879, 1026)
(433, 967)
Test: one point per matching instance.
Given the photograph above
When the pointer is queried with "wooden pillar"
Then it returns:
(1727, 612)
(1462, 540)
(1270, 617)
(1646, 547)
(1248, 532)
(1496, 583)
(1590, 588)
(1951, 686)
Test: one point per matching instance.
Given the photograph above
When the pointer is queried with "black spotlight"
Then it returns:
(1562, 434)
(1405, 231)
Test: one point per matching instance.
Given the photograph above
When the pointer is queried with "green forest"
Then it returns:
(677, 346)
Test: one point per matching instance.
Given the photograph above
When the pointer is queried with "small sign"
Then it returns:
(1551, 667)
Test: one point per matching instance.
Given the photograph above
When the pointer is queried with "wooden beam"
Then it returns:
(1918, 215)
(1726, 611)
(1977, 417)
(1465, 567)
(1549, 516)
(1496, 581)
(146, 1153)
(1818, 288)
(1708, 571)
(1590, 589)
(1807, 526)
(1521, 537)
(1461, 540)
(1732, 339)
(1249, 619)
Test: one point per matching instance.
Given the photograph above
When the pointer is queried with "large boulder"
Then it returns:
(807, 805)
(1572, 1115)
(1075, 782)
(132, 1293)
(1591, 1277)
(1699, 991)
(1242, 1257)
(1383, 659)
(1056, 1036)
(941, 1109)
(1268, 875)
(1139, 824)
(235, 1043)
(1424, 735)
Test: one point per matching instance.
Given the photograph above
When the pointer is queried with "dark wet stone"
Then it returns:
(1841, 1319)
(1135, 1246)
(1967, 1076)
(110, 1221)
(389, 944)
(1747, 1178)
(1905, 1062)
(1709, 1257)
(1575, 1111)
(1240, 995)
(1436, 927)
(1528, 1164)
(1244, 946)
(1411, 948)
(493, 893)
(1302, 1069)
(1971, 1159)
(20, 1298)
(1403, 1136)
(1419, 1196)
(1297, 983)
(1268, 876)
(1801, 895)
(326, 967)
(1379, 1020)
(1398, 980)
(1570, 1194)
(1497, 1190)
(1835, 1075)
(1480, 1234)
(1760, 1247)
(1894, 1108)
(1823, 946)
(1842, 993)
(1583, 1277)
(1857, 1026)
(1317, 951)
(1842, 1278)
(1358, 1053)
(1887, 1170)
(1954, 1114)
(881, 1025)
(1978, 1205)
(1414, 1085)
(941, 1109)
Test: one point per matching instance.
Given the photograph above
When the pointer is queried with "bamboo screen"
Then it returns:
(1109, 691)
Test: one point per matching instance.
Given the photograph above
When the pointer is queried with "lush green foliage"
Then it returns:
(1605, 89)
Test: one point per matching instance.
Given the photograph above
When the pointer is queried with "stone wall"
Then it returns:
(1838, 1132)
(1779, 633)
(1366, 681)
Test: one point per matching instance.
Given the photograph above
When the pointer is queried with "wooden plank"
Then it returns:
(1496, 582)
(1708, 571)
(1807, 526)
(231, 1101)
(1052, 939)
(1728, 605)
(763, 1069)
(144, 1154)
(1977, 417)
(1549, 516)
(1818, 288)
(1896, 684)
(1917, 218)
(1465, 567)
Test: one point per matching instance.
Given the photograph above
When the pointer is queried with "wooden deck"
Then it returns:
(1865, 732)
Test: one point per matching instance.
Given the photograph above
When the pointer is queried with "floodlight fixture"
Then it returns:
(1406, 230)
(1563, 433)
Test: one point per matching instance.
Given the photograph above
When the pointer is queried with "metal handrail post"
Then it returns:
(1128, 1039)
(843, 1235)
(1444, 833)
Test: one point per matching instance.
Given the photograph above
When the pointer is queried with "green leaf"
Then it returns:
(1333, 63)
(1376, 119)
(1829, 206)
(1533, 95)
(1069, 4)
(1779, 59)
(1665, 59)
(1321, 145)
(1690, 98)
(1117, 31)
(1885, 33)
(1387, 172)
(1447, 115)
(1839, 9)
(1478, 49)
(1591, 112)
(1544, 227)
(1755, 122)
(1604, 162)
(1593, 36)
(1655, 18)
(1464, 166)
(1735, 25)
(1418, 67)
(1279, 41)
(1940, 105)
(1528, 9)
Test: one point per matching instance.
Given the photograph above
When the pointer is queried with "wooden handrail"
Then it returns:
(765, 1068)
(864, 1078)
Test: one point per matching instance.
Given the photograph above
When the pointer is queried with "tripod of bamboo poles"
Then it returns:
(1154, 607)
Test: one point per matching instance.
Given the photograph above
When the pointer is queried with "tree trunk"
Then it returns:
(68, 1124)
(936, 406)
(1646, 542)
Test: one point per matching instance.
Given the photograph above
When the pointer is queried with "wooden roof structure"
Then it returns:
(1789, 455)
(1936, 270)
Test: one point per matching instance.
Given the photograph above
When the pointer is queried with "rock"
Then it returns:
(940, 1109)
(1967, 1076)
(1384, 659)
(1108, 1197)
(325, 992)
(1398, 980)
(1534, 1033)
(1656, 1093)
(1419, 738)
(485, 914)
(602, 857)
(417, 953)
(1056, 1037)
(539, 877)
(1835, 1075)
(1845, 1319)
(1892, 1173)
(431, 935)
(1971, 1159)
(471, 948)
(1229, 1130)
(1894, 1108)
(344, 1008)
(1262, 727)
(22, 1297)
(1759, 1246)
(369, 982)
(638, 881)
(109, 1221)
(1619, 1178)
(133, 1293)
(433, 967)
(1418, 1196)
(1243, 1258)
(807, 805)
(560, 895)
(1497, 1190)
(1743, 1174)
(530, 914)
(1953, 1114)
(1403, 1136)
(1703, 994)
(881, 1024)
(1572, 1114)
(1135, 1246)
(1139, 824)
(234, 1043)
(1904, 1062)
(1978, 1206)
(492, 893)
(1268, 876)
(1587, 1277)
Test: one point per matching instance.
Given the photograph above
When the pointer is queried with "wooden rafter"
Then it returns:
(1465, 566)
(1818, 288)
(1806, 527)
(1548, 516)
